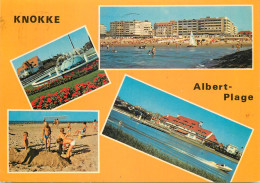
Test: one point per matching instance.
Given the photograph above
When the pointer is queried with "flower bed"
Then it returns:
(90, 67)
(66, 94)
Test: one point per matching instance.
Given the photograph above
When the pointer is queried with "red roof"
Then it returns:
(162, 23)
(187, 123)
(245, 32)
(32, 61)
(213, 138)
(165, 23)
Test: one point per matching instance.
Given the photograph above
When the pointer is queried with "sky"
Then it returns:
(39, 115)
(62, 45)
(240, 15)
(154, 100)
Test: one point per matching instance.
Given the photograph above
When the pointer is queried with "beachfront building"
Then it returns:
(245, 34)
(103, 30)
(231, 149)
(189, 128)
(133, 28)
(186, 26)
(166, 29)
(221, 26)
(29, 67)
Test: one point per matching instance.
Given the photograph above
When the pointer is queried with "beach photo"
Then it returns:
(53, 141)
(60, 71)
(176, 131)
(175, 37)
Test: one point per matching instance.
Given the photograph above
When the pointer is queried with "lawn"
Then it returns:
(89, 77)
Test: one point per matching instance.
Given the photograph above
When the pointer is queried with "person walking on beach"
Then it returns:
(25, 140)
(107, 47)
(46, 135)
(153, 50)
(70, 142)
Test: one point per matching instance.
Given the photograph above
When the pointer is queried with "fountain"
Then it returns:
(65, 64)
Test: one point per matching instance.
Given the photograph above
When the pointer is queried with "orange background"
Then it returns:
(118, 162)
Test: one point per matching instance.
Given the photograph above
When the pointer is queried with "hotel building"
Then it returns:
(204, 26)
(207, 26)
(29, 67)
(166, 29)
(133, 28)
(189, 128)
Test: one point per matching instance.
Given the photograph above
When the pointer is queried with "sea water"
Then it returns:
(173, 146)
(165, 57)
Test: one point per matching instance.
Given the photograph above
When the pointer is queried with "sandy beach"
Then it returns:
(173, 42)
(36, 159)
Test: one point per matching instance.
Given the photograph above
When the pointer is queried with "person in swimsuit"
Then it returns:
(153, 50)
(94, 124)
(82, 130)
(69, 129)
(62, 135)
(46, 135)
(25, 140)
(70, 142)
(57, 122)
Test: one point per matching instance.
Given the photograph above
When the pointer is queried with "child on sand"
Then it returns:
(57, 122)
(62, 135)
(25, 140)
(95, 125)
(65, 142)
(82, 130)
(69, 129)
(46, 135)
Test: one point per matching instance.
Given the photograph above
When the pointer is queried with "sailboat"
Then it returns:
(192, 43)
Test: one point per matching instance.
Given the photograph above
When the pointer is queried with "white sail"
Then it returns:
(192, 40)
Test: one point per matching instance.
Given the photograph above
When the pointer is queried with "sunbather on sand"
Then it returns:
(81, 130)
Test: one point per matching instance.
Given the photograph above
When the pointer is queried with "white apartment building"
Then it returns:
(103, 29)
(133, 28)
(207, 26)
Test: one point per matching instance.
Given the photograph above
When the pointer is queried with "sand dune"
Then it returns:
(36, 159)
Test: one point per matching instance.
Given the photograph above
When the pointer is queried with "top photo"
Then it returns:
(176, 37)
